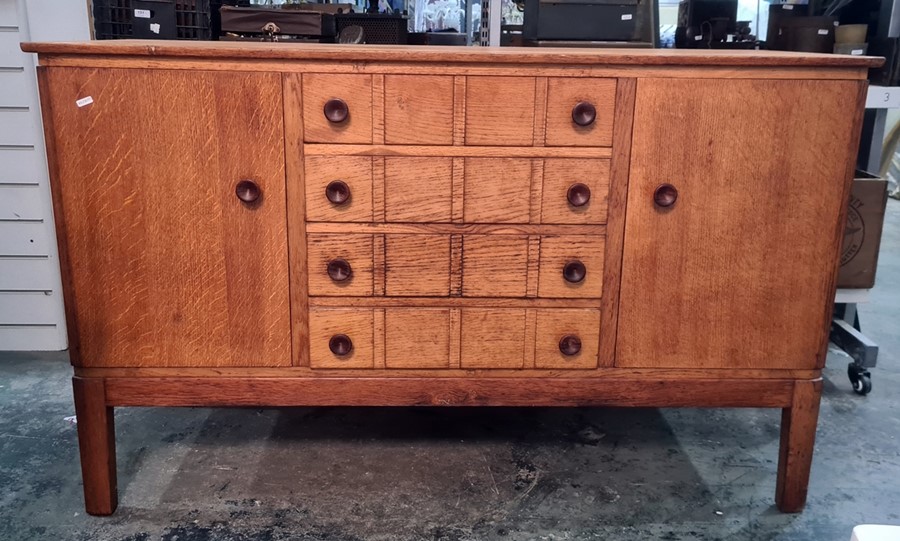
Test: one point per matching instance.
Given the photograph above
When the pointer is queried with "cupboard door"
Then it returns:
(167, 266)
(739, 271)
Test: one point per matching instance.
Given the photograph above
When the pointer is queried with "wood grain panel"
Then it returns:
(553, 325)
(563, 93)
(417, 265)
(355, 171)
(492, 118)
(418, 189)
(494, 265)
(169, 267)
(795, 453)
(294, 161)
(458, 151)
(562, 173)
(417, 338)
(418, 110)
(737, 272)
(355, 90)
(556, 252)
(497, 190)
(357, 324)
(357, 250)
(492, 338)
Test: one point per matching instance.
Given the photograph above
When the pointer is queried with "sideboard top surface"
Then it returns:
(242, 51)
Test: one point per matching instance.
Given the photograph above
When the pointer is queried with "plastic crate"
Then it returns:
(379, 28)
(193, 19)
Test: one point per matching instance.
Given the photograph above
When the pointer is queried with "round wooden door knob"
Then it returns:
(247, 191)
(339, 270)
(578, 194)
(337, 192)
(574, 272)
(665, 195)
(336, 110)
(569, 345)
(340, 345)
(584, 113)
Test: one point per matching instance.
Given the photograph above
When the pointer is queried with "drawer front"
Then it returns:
(575, 191)
(418, 110)
(417, 265)
(331, 91)
(341, 338)
(340, 264)
(567, 338)
(566, 98)
(418, 189)
(492, 338)
(338, 188)
(497, 190)
(416, 338)
(571, 267)
(500, 111)
(494, 265)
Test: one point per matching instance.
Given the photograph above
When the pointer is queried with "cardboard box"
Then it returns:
(862, 235)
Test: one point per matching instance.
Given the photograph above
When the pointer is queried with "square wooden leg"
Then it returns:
(97, 445)
(798, 437)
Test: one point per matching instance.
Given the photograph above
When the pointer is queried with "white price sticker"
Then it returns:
(787, 6)
(84, 101)
(698, 38)
(154, 27)
(627, 17)
(142, 13)
(823, 31)
(856, 52)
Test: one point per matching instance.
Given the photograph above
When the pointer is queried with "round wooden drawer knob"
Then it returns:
(337, 192)
(574, 272)
(247, 191)
(584, 113)
(340, 345)
(339, 270)
(578, 194)
(336, 110)
(569, 345)
(665, 195)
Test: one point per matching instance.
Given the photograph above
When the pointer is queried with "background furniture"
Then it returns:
(317, 225)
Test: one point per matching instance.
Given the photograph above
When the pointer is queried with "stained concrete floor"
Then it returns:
(457, 474)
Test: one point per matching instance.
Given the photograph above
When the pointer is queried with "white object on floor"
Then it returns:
(875, 532)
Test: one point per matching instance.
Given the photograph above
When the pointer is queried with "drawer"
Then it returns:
(417, 265)
(418, 189)
(500, 111)
(497, 190)
(571, 267)
(492, 338)
(347, 99)
(341, 338)
(338, 188)
(340, 264)
(567, 338)
(494, 265)
(418, 110)
(416, 338)
(590, 101)
(575, 191)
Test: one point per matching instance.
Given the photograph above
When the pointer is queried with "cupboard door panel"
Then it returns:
(567, 338)
(329, 257)
(332, 329)
(500, 111)
(561, 179)
(558, 274)
(323, 90)
(492, 338)
(329, 201)
(170, 267)
(739, 271)
(563, 95)
(497, 190)
(418, 110)
(417, 265)
(494, 265)
(418, 189)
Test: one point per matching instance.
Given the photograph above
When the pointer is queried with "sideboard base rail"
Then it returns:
(96, 397)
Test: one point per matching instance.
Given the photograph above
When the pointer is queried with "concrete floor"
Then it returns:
(458, 474)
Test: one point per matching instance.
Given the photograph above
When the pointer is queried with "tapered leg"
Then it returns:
(97, 445)
(798, 436)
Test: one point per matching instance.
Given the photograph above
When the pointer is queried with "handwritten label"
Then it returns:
(627, 17)
(142, 13)
(84, 101)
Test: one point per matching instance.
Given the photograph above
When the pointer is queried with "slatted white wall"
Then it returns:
(31, 307)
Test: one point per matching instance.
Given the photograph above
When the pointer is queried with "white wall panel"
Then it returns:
(18, 202)
(13, 87)
(8, 13)
(30, 274)
(23, 166)
(27, 308)
(32, 338)
(24, 238)
(18, 126)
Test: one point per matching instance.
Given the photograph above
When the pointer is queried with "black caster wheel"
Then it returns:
(860, 379)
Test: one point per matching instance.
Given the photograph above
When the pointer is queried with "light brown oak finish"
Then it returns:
(355, 172)
(417, 338)
(563, 94)
(492, 118)
(553, 325)
(357, 325)
(418, 110)
(354, 90)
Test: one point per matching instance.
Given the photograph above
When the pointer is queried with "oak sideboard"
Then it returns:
(250, 224)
